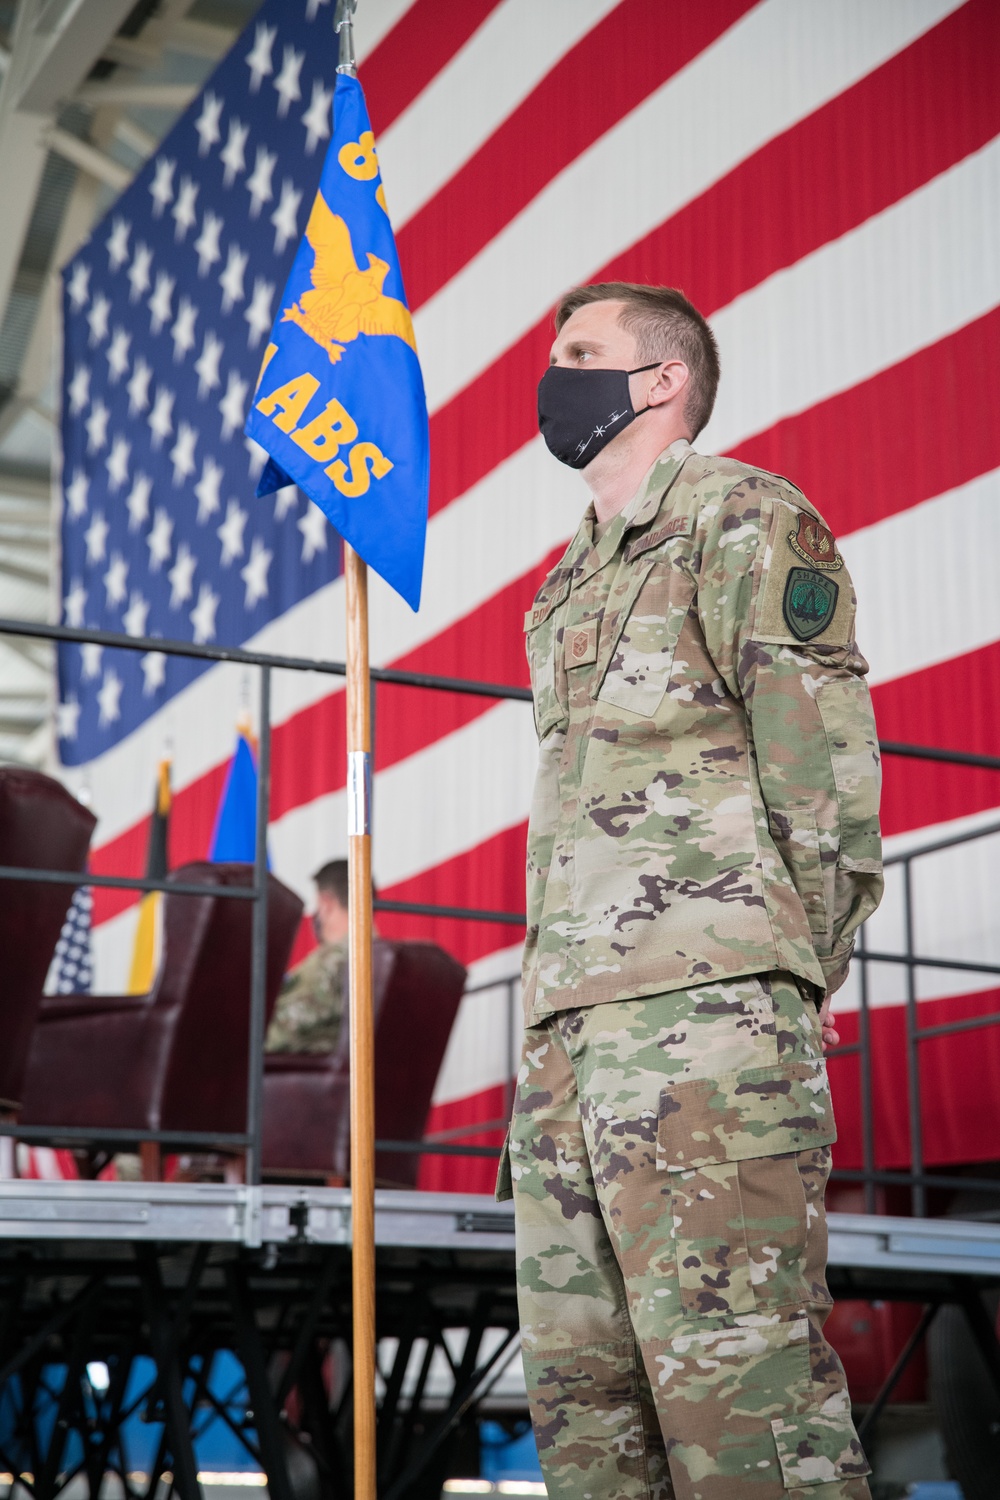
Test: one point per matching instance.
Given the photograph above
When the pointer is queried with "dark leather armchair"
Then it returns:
(417, 989)
(42, 826)
(176, 1058)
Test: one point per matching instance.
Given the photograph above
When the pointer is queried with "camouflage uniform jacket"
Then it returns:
(311, 1003)
(706, 802)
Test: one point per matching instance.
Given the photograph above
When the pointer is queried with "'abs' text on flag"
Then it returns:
(340, 401)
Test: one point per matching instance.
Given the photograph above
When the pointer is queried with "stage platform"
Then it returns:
(79, 1213)
(174, 1274)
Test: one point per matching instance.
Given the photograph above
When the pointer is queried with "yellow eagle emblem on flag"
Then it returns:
(345, 300)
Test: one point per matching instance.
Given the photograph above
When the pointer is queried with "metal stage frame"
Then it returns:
(110, 1272)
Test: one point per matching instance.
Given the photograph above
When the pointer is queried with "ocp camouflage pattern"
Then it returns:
(310, 1006)
(669, 1157)
(706, 802)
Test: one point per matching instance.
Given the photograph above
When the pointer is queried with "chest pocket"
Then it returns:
(544, 645)
(643, 636)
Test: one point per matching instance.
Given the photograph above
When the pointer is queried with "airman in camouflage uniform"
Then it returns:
(310, 1007)
(703, 845)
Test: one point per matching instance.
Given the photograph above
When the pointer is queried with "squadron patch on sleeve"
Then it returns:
(814, 543)
(806, 593)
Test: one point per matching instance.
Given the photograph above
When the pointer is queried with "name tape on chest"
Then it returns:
(676, 526)
(545, 603)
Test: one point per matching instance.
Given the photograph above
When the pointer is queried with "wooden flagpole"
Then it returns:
(362, 1030)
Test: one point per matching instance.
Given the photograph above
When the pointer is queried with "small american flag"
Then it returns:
(72, 968)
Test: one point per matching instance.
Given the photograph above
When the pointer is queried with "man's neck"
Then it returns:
(615, 474)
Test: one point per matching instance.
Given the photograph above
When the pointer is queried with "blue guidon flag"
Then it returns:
(340, 403)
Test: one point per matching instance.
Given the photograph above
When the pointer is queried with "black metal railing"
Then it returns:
(448, 1143)
(917, 1179)
(249, 1139)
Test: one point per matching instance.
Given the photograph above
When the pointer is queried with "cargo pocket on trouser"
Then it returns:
(818, 1448)
(742, 1413)
(745, 1164)
(735, 1150)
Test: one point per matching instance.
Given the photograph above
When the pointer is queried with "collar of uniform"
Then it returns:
(585, 556)
(658, 480)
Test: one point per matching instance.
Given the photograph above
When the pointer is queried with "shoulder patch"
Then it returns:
(809, 602)
(813, 542)
(805, 593)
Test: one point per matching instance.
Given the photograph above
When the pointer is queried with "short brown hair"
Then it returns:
(333, 879)
(666, 326)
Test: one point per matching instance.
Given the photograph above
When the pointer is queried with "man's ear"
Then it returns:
(672, 379)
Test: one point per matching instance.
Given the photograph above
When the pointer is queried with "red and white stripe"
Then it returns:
(822, 177)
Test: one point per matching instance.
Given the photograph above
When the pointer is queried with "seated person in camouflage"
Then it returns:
(307, 1015)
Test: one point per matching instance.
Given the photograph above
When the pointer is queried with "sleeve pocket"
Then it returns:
(846, 711)
(818, 1448)
(796, 838)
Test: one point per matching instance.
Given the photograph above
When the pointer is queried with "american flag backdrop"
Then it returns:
(822, 178)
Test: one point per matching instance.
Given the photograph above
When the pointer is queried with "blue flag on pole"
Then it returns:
(234, 836)
(340, 403)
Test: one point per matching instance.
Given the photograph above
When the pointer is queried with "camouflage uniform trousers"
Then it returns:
(672, 1316)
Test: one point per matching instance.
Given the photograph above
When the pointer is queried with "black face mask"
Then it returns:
(580, 411)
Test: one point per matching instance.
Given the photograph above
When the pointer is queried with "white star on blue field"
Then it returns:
(167, 307)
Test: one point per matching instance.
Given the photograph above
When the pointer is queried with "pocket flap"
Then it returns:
(818, 1448)
(639, 637)
(755, 1112)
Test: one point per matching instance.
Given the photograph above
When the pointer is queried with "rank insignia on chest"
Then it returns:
(814, 543)
(581, 645)
(810, 602)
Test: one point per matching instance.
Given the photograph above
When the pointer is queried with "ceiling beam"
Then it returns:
(25, 484)
(27, 648)
(36, 367)
(31, 526)
(20, 567)
(136, 93)
(200, 39)
(22, 161)
(12, 724)
(52, 54)
(14, 532)
(86, 156)
(141, 141)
